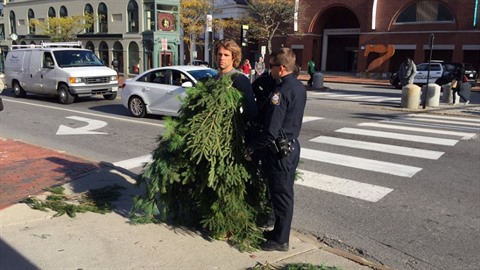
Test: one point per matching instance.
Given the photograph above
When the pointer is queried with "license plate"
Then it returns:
(115, 89)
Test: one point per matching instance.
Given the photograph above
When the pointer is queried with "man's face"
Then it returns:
(224, 59)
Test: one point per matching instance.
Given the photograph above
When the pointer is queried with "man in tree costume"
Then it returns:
(198, 175)
(278, 142)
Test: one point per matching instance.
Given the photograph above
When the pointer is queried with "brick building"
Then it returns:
(376, 35)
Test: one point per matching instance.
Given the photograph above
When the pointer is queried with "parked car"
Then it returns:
(440, 73)
(156, 91)
(59, 69)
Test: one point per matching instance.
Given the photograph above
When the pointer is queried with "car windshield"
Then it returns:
(203, 74)
(76, 58)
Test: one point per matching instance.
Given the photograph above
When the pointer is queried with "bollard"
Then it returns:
(410, 96)
(317, 82)
(433, 94)
(447, 93)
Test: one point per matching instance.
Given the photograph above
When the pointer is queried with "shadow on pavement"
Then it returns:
(15, 260)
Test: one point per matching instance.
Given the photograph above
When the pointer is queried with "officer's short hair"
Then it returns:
(232, 46)
(285, 57)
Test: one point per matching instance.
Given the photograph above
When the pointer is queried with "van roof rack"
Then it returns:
(71, 44)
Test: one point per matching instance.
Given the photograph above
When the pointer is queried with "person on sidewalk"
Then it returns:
(279, 146)
(246, 67)
(458, 79)
(259, 67)
(407, 72)
(311, 71)
(228, 55)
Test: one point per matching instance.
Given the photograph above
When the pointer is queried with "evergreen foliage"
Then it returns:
(199, 176)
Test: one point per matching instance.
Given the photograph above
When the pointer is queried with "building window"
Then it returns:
(90, 46)
(132, 10)
(133, 58)
(31, 16)
(102, 18)
(88, 11)
(63, 12)
(13, 23)
(51, 12)
(425, 11)
(103, 53)
(149, 16)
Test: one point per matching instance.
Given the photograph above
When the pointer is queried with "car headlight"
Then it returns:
(76, 80)
(114, 78)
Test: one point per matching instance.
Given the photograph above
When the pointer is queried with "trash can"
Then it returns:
(410, 96)
(317, 81)
(447, 96)
(433, 94)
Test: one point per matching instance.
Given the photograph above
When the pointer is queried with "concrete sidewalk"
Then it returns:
(32, 239)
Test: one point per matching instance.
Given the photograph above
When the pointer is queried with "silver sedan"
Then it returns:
(157, 91)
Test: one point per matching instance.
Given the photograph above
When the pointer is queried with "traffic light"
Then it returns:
(244, 35)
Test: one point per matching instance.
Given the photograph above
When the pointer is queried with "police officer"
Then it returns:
(282, 121)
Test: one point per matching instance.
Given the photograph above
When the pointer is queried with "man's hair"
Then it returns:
(231, 45)
(285, 57)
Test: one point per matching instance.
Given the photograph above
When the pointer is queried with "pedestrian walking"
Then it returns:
(259, 67)
(279, 146)
(246, 67)
(458, 79)
(407, 72)
(311, 71)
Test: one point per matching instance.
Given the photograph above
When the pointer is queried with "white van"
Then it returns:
(59, 69)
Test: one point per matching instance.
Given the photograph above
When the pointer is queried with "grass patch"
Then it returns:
(94, 200)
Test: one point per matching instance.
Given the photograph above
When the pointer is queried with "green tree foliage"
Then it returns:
(268, 18)
(199, 176)
(64, 28)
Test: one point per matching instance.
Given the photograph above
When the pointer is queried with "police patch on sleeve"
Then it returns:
(275, 99)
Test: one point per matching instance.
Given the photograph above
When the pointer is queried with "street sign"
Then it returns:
(264, 50)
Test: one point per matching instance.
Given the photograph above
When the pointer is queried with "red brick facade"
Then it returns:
(349, 35)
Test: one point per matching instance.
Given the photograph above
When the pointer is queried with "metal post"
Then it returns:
(424, 99)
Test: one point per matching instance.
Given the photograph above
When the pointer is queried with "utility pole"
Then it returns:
(424, 98)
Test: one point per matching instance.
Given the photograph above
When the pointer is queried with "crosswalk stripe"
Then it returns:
(464, 135)
(379, 147)
(343, 186)
(359, 163)
(311, 118)
(444, 121)
(406, 121)
(398, 136)
(423, 115)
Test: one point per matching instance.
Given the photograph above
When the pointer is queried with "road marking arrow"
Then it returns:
(85, 130)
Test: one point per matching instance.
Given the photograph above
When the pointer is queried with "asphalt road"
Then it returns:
(407, 201)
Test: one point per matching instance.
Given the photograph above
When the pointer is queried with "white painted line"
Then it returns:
(353, 189)
(407, 121)
(134, 162)
(86, 113)
(360, 163)
(379, 147)
(464, 135)
(455, 122)
(385, 99)
(311, 118)
(398, 136)
(424, 115)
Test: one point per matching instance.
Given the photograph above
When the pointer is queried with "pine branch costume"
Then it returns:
(199, 176)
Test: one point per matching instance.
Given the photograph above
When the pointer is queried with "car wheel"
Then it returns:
(110, 96)
(18, 90)
(64, 96)
(137, 107)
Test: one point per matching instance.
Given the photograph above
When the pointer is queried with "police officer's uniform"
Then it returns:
(283, 115)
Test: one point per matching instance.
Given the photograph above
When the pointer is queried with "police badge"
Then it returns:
(275, 99)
